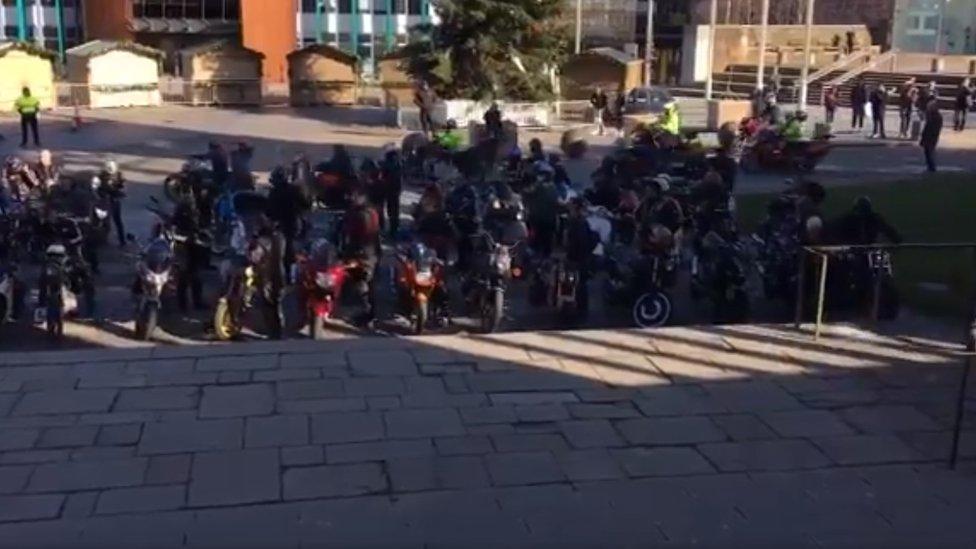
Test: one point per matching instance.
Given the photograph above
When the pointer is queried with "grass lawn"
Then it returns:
(933, 209)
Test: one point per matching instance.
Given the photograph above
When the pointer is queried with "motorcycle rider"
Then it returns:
(863, 226)
(369, 176)
(62, 231)
(186, 224)
(360, 242)
(772, 115)
(579, 242)
(536, 152)
(671, 120)
(46, 172)
(240, 166)
(286, 206)
(79, 203)
(391, 173)
(432, 223)
(113, 189)
(606, 185)
(341, 169)
(219, 166)
(542, 203)
(658, 208)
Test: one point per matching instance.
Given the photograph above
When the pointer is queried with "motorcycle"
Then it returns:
(769, 152)
(484, 288)
(718, 272)
(640, 279)
(65, 276)
(778, 253)
(8, 289)
(419, 277)
(320, 281)
(240, 276)
(865, 278)
(194, 174)
(154, 271)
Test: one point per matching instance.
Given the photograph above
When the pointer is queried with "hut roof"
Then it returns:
(29, 47)
(216, 45)
(613, 54)
(327, 50)
(98, 47)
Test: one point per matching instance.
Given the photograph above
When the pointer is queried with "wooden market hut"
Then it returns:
(322, 75)
(24, 64)
(114, 74)
(606, 68)
(398, 88)
(221, 72)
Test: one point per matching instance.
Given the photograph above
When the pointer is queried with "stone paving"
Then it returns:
(737, 436)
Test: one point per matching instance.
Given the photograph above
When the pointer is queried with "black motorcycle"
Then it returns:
(859, 280)
(193, 176)
(719, 274)
(639, 281)
(485, 287)
(778, 252)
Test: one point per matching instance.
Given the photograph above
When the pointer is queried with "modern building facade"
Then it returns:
(38, 21)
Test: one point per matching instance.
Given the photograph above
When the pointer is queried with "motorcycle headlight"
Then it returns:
(497, 204)
(503, 262)
(157, 279)
(424, 278)
(100, 213)
(324, 280)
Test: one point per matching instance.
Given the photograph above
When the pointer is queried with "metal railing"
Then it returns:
(837, 65)
(824, 253)
(888, 56)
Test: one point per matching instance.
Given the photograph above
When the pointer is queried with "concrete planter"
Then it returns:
(464, 111)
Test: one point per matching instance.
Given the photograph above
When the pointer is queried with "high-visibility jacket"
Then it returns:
(792, 130)
(27, 104)
(671, 121)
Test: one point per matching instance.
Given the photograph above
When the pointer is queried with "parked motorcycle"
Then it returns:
(639, 280)
(254, 256)
(320, 279)
(865, 280)
(65, 276)
(154, 272)
(8, 289)
(485, 287)
(718, 273)
(419, 279)
(194, 174)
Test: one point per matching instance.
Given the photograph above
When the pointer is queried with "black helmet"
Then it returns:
(863, 206)
(278, 176)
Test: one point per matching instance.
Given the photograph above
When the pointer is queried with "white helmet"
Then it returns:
(45, 157)
(111, 167)
(55, 250)
(663, 182)
(96, 182)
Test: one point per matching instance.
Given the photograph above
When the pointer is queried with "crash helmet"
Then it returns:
(111, 167)
(45, 157)
(451, 124)
(543, 170)
(663, 182)
(863, 206)
(278, 176)
(55, 251)
(13, 164)
(96, 182)
(800, 115)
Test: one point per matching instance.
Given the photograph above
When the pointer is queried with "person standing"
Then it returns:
(27, 106)
(931, 133)
(599, 103)
(830, 103)
(424, 100)
(391, 170)
(879, 99)
(859, 96)
(964, 101)
(907, 96)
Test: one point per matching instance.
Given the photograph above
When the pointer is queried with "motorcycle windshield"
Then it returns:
(157, 256)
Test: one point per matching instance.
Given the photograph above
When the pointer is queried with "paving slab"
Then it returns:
(87, 475)
(171, 469)
(382, 363)
(515, 469)
(176, 437)
(529, 442)
(589, 465)
(377, 450)
(285, 430)
(661, 462)
(302, 455)
(310, 389)
(463, 445)
(242, 362)
(235, 478)
(333, 481)
(347, 427)
(867, 449)
(669, 430)
(68, 437)
(743, 427)
(765, 455)
(436, 473)
(888, 419)
(591, 433)
(256, 399)
(65, 401)
(158, 398)
(13, 478)
(806, 423)
(423, 423)
(141, 500)
(29, 507)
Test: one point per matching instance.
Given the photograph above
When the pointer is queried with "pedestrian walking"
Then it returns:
(859, 98)
(931, 133)
(599, 103)
(879, 99)
(964, 101)
(27, 106)
(907, 96)
(830, 103)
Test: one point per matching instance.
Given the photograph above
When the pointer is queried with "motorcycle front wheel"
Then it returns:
(652, 310)
(492, 311)
(55, 321)
(421, 313)
(146, 320)
(316, 326)
(226, 325)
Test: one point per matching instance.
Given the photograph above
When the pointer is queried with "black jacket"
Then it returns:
(580, 241)
(864, 229)
(932, 129)
(286, 203)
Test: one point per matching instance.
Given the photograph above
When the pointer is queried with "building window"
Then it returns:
(413, 7)
(922, 23)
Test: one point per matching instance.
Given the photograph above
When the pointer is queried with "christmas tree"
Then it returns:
(483, 49)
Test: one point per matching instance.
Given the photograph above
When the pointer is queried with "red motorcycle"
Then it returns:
(320, 279)
(764, 149)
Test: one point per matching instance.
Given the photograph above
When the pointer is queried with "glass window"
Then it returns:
(922, 23)
(413, 7)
